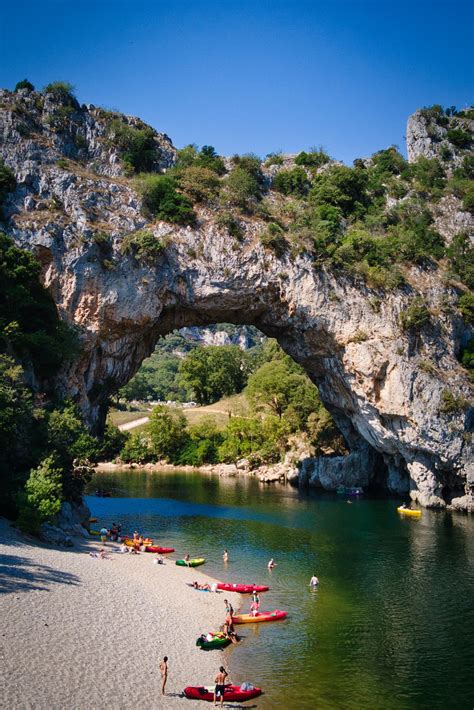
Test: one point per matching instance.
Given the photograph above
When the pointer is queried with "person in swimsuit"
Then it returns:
(220, 685)
(225, 556)
(314, 581)
(271, 564)
(164, 673)
(187, 559)
(255, 605)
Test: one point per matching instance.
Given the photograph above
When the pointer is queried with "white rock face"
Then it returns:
(367, 370)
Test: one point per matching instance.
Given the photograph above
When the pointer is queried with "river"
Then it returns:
(391, 623)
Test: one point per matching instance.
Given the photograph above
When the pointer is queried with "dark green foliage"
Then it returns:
(466, 306)
(468, 113)
(389, 162)
(167, 432)
(202, 445)
(291, 182)
(142, 245)
(62, 91)
(232, 224)
(429, 175)
(468, 199)
(273, 159)
(7, 182)
(459, 138)
(251, 164)
(24, 84)
(274, 238)
(191, 156)
(156, 379)
(137, 145)
(241, 188)
(29, 323)
(467, 356)
(415, 317)
(213, 372)
(162, 200)
(461, 256)
(341, 187)
(314, 159)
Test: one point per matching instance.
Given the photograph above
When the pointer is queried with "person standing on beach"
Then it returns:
(103, 535)
(220, 685)
(164, 674)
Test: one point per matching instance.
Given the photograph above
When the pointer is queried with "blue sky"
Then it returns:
(250, 76)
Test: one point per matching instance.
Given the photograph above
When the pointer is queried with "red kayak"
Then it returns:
(231, 693)
(159, 550)
(242, 588)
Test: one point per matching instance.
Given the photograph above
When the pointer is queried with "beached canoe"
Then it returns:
(192, 563)
(130, 543)
(232, 693)
(259, 617)
(219, 640)
(408, 511)
(159, 550)
(242, 588)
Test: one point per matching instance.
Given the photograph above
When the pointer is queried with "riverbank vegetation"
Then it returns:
(277, 402)
(42, 437)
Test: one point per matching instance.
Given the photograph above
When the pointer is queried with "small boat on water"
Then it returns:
(242, 588)
(191, 563)
(259, 617)
(210, 641)
(232, 693)
(410, 512)
(159, 550)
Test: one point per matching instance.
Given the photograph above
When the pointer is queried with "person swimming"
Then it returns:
(225, 556)
(271, 564)
(314, 581)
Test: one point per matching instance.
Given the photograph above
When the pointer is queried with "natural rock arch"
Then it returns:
(346, 336)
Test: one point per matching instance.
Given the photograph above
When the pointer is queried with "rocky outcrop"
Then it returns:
(71, 521)
(383, 386)
(427, 136)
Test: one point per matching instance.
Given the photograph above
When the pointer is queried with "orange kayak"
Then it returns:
(259, 617)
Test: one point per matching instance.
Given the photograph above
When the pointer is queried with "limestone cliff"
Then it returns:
(373, 376)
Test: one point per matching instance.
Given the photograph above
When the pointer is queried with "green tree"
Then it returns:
(44, 492)
(214, 372)
(161, 199)
(167, 432)
(241, 187)
(24, 84)
(291, 182)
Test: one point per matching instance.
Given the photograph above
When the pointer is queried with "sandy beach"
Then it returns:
(79, 632)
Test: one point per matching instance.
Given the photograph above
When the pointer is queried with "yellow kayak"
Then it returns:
(409, 512)
(94, 532)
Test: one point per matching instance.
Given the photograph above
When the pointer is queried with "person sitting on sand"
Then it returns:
(225, 556)
(314, 581)
(124, 548)
(271, 564)
(164, 673)
(159, 560)
(220, 685)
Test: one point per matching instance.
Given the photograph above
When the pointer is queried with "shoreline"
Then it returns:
(87, 632)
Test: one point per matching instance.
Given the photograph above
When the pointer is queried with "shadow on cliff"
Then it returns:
(19, 574)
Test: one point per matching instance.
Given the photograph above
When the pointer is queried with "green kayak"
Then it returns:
(218, 641)
(192, 563)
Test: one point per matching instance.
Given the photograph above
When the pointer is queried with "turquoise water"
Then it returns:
(391, 624)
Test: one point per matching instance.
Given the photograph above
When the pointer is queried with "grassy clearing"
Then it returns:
(117, 417)
(219, 411)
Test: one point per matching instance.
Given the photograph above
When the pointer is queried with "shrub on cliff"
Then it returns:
(191, 156)
(415, 316)
(459, 138)
(24, 84)
(199, 184)
(137, 145)
(341, 187)
(291, 182)
(466, 306)
(274, 238)
(62, 91)
(7, 182)
(315, 158)
(461, 258)
(142, 245)
(241, 188)
(162, 200)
